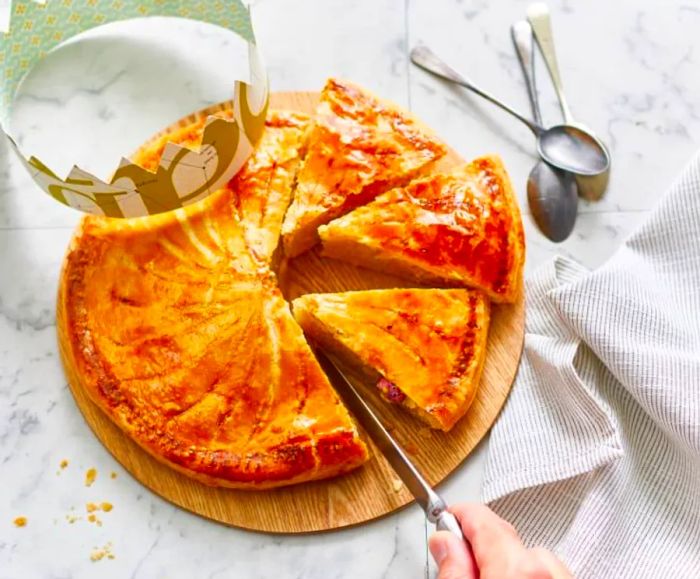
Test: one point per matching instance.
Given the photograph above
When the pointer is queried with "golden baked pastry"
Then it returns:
(426, 346)
(358, 147)
(263, 187)
(457, 229)
(185, 342)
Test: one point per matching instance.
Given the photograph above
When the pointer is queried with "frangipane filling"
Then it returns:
(391, 391)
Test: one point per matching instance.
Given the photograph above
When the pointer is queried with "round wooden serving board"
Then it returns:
(372, 490)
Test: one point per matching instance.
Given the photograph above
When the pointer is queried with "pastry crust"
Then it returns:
(428, 343)
(359, 146)
(457, 229)
(185, 342)
(263, 187)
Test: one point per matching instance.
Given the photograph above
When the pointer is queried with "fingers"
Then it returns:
(495, 542)
(452, 557)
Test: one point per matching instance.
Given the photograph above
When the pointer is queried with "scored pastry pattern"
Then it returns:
(423, 347)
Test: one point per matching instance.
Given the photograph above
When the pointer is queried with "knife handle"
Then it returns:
(446, 521)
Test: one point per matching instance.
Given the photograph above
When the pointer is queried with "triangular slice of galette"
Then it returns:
(425, 347)
(457, 229)
(358, 147)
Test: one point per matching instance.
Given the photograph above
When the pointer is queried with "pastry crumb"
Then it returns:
(64, 463)
(20, 522)
(101, 553)
(398, 485)
(71, 519)
(92, 507)
(90, 476)
(113, 475)
(104, 506)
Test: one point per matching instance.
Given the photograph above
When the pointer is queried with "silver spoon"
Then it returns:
(591, 188)
(551, 192)
(567, 147)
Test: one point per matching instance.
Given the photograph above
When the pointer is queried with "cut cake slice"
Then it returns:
(427, 346)
(457, 229)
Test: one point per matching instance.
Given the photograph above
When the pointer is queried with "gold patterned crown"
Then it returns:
(184, 175)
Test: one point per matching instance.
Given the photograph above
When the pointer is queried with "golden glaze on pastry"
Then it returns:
(428, 345)
(188, 345)
(457, 229)
(358, 147)
(263, 187)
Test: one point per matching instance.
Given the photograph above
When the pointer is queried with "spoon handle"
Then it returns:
(522, 39)
(425, 58)
(539, 18)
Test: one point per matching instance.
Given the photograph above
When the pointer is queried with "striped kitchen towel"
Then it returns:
(597, 452)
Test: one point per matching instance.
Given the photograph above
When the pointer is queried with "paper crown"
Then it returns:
(184, 176)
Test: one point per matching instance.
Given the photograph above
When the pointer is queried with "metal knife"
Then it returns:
(434, 506)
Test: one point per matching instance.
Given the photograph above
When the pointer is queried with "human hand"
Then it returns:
(496, 550)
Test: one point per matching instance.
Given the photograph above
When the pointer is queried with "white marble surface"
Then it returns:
(630, 68)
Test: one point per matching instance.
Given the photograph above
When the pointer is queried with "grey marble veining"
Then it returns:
(630, 69)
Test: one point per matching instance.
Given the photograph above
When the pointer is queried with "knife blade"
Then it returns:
(431, 502)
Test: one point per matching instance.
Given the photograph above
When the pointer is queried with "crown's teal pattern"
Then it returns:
(36, 28)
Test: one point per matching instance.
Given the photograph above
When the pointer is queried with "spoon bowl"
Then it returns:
(553, 198)
(573, 148)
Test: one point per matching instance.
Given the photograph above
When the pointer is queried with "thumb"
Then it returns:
(452, 557)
